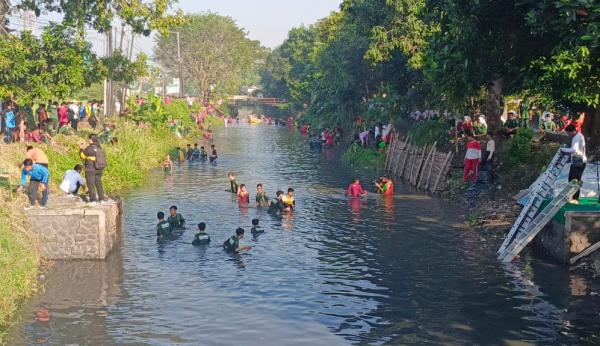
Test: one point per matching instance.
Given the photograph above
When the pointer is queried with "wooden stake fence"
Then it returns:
(425, 168)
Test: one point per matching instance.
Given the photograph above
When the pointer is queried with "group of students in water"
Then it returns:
(175, 222)
(282, 203)
(383, 185)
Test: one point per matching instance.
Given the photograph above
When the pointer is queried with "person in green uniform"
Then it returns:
(28, 109)
(163, 229)
(52, 116)
(261, 197)
(168, 165)
(175, 219)
(203, 154)
(276, 207)
(234, 186)
(233, 243)
(525, 106)
(256, 229)
(201, 238)
(512, 124)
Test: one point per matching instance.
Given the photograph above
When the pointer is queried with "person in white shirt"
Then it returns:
(72, 180)
(578, 157)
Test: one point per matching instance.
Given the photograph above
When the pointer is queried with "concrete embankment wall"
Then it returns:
(563, 242)
(77, 231)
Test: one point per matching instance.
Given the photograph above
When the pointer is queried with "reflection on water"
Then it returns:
(338, 271)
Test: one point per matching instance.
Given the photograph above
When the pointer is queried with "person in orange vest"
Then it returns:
(385, 186)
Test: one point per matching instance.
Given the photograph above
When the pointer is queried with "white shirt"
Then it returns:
(377, 131)
(577, 148)
(70, 180)
(490, 147)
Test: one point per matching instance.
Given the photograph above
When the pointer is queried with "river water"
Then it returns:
(400, 270)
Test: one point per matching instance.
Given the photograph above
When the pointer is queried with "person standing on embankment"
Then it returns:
(578, 157)
(95, 162)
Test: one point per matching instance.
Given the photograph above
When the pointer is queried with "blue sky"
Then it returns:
(266, 20)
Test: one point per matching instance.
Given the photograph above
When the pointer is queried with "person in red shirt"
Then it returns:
(472, 158)
(63, 115)
(329, 138)
(577, 121)
(243, 195)
(355, 189)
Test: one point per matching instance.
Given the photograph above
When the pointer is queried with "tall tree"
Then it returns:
(54, 65)
(216, 54)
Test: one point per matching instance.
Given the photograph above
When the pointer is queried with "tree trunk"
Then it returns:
(593, 127)
(494, 111)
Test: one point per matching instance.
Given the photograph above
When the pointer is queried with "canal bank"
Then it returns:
(402, 270)
(137, 150)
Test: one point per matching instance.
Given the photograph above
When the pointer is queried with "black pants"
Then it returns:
(93, 180)
(32, 193)
(77, 186)
(74, 123)
(575, 173)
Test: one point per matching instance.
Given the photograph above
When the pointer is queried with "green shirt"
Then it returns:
(262, 199)
(177, 221)
(512, 124)
(163, 229)
(52, 112)
(276, 207)
(257, 229)
(201, 238)
(231, 244)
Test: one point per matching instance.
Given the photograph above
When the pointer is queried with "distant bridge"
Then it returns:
(271, 101)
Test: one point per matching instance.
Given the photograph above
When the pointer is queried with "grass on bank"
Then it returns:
(137, 151)
(360, 157)
(19, 263)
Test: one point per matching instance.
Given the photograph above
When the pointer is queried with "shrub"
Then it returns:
(428, 132)
(364, 158)
(519, 146)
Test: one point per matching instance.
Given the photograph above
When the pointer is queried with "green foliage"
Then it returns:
(447, 55)
(428, 132)
(360, 157)
(143, 16)
(52, 66)
(519, 146)
(119, 68)
(19, 262)
(215, 53)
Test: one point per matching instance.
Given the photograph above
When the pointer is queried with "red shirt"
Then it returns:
(63, 115)
(244, 199)
(355, 190)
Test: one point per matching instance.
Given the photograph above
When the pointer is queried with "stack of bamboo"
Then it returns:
(423, 167)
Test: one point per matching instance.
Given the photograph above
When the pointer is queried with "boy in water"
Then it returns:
(276, 207)
(261, 196)
(189, 152)
(201, 238)
(233, 243)
(234, 186)
(175, 219)
(203, 154)
(256, 229)
(288, 200)
(213, 155)
(163, 229)
(168, 165)
(196, 153)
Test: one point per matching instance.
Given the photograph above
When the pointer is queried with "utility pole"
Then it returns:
(181, 84)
